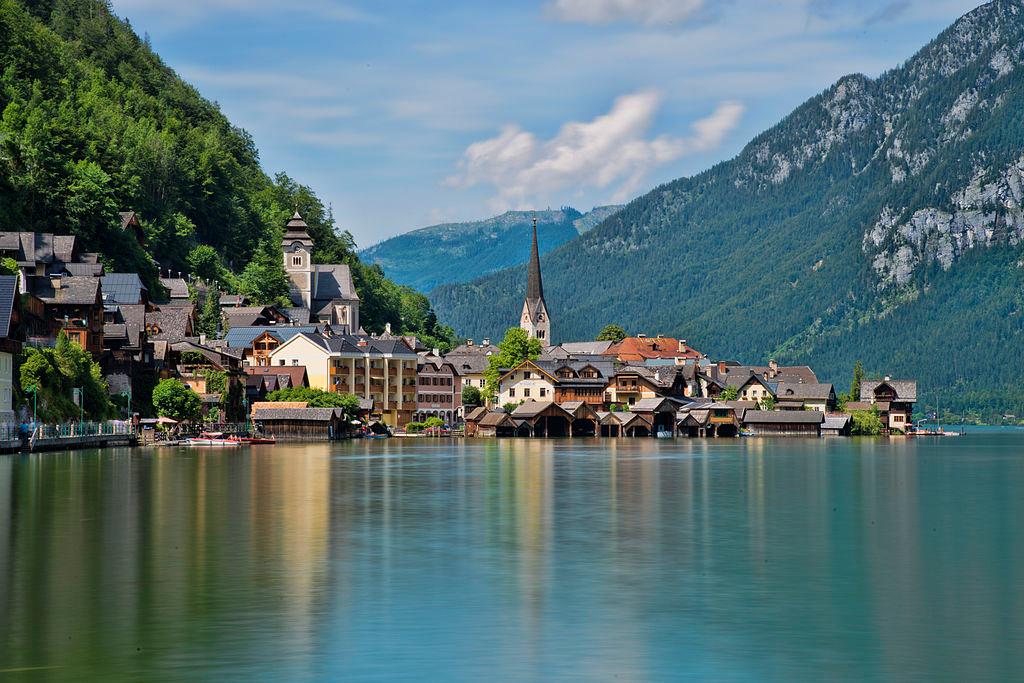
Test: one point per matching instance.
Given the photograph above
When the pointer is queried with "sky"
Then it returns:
(403, 113)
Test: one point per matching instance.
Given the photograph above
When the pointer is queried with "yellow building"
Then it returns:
(380, 370)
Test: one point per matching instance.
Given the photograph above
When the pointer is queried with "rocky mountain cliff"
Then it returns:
(881, 220)
(459, 252)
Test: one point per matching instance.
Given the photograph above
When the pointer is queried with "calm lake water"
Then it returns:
(630, 560)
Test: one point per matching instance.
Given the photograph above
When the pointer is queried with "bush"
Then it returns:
(415, 427)
(433, 423)
(866, 423)
(55, 373)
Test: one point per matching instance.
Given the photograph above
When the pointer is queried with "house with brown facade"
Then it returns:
(893, 398)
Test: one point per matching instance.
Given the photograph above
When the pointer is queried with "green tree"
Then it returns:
(204, 262)
(767, 403)
(55, 373)
(516, 347)
(866, 422)
(858, 377)
(611, 332)
(173, 399)
(729, 393)
(433, 422)
(8, 266)
(208, 321)
(471, 396)
(264, 280)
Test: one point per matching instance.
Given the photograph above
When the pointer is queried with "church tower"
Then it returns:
(535, 320)
(298, 263)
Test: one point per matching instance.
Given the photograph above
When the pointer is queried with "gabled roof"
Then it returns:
(801, 391)
(633, 349)
(792, 374)
(83, 269)
(651, 405)
(169, 323)
(533, 365)
(476, 414)
(295, 373)
(243, 336)
(906, 389)
(532, 409)
(739, 380)
(8, 290)
(784, 417)
(300, 414)
(496, 418)
(176, 287)
(300, 315)
(73, 291)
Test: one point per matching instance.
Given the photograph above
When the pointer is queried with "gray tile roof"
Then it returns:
(73, 291)
(783, 417)
(906, 389)
(801, 391)
(334, 282)
(84, 269)
(170, 323)
(8, 289)
(299, 414)
(298, 314)
(176, 287)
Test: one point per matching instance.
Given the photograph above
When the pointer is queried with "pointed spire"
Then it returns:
(534, 286)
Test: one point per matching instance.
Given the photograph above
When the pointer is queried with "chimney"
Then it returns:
(682, 346)
(387, 328)
(437, 351)
(887, 378)
(721, 367)
(55, 281)
(487, 341)
(202, 340)
(773, 368)
(641, 336)
(469, 342)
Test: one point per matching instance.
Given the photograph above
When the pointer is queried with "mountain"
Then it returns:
(881, 220)
(92, 122)
(459, 252)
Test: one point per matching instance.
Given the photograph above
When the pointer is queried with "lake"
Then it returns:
(629, 560)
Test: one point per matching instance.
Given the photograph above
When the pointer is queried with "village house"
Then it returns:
(784, 422)
(894, 399)
(257, 342)
(634, 383)
(527, 381)
(800, 396)
(438, 390)
(70, 304)
(380, 370)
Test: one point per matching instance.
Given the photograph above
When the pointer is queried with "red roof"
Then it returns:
(643, 348)
(297, 373)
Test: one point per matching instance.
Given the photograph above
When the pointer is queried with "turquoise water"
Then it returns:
(630, 560)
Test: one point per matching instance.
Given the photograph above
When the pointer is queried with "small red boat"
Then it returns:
(257, 440)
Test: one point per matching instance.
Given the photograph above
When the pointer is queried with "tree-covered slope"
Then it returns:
(881, 220)
(459, 252)
(92, 122)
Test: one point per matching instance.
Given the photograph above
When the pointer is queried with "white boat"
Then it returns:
(215, 439)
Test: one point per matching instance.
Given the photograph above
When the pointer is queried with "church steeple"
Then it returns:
(534, 285)
(535, 320)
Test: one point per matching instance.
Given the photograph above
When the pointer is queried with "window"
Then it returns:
(512, 392)
(296, 260)
(543, 392)
(540, 334)
(897, 418)
(526, 392)
(281, 362)
(295, 361)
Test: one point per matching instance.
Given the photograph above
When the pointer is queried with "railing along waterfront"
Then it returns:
(74, 430)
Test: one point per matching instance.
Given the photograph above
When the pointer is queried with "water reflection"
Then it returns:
(533, 559)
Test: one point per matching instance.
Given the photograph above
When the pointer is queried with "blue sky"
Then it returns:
(403, 114)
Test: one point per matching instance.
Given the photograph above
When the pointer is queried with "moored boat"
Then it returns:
(216, 439)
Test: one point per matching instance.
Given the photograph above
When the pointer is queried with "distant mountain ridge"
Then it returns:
(460, 252)
(881, 220)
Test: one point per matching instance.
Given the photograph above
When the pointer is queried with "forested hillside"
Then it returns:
(882, 220)
(460, 252)
(92, 123)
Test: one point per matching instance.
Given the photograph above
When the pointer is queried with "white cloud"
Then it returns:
(186, 12)
(649, 12)
(610, 153)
